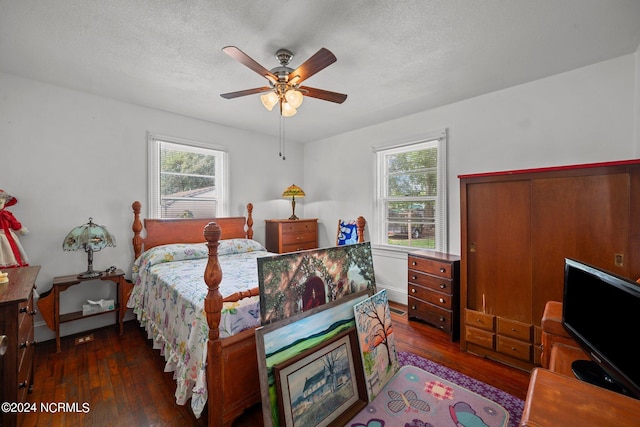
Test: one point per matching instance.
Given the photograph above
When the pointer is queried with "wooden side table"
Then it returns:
(50, 310)
(554, 399)
(291, 235)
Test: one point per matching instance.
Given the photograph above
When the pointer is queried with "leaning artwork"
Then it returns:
(377, 342)
(296, 282)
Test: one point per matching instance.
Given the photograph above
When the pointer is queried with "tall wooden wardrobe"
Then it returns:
(517, 228)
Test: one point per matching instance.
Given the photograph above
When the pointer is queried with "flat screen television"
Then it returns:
(601, 310)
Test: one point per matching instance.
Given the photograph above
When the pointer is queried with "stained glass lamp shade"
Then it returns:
(91, 238)
(293, 191)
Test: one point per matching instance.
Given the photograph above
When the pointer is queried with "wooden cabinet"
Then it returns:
(291, 235)
(17, 333)
(433, 290)
(517, 228)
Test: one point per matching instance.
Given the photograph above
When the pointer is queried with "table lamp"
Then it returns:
(90, 237)
(293, 191)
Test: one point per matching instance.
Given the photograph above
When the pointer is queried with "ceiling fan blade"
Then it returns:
(320, 60)
(325, 95)
(246, 60)
(245, 92)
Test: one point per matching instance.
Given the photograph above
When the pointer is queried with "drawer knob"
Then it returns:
(24, 344)
(3, 344)
(442, 318)
(443, 285)
(442, 269)
(413, 307)
(413, 290)
(23, 384)
(23, 309)
(414, 277)
(441, 300)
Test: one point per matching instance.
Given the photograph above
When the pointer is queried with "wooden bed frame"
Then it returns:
(232, 365)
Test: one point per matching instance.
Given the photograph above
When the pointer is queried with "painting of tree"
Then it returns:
(377, 342)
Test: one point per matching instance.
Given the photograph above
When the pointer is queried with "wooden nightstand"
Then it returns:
(17, 339)
(50, 310)
(291, 235)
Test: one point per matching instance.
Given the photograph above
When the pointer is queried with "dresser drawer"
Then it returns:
(438, 268)
(433, 282)
(301, 246)
(513, 329)
(299, 227)
(436, 316)
(293, 239)
(436, 298)
(514, 348)
(480, 337)
(479, 320)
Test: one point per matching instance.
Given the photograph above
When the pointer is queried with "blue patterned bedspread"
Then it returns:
(168, 300)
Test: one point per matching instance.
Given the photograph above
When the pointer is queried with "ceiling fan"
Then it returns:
(284, 82)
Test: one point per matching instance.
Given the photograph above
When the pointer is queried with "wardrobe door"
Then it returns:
(581, 217)
(498, 248)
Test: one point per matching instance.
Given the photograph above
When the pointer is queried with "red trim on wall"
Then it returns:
(553, 168)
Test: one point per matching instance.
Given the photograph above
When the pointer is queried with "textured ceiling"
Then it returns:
(394, 57)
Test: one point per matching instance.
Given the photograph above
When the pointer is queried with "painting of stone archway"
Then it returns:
(296, 282)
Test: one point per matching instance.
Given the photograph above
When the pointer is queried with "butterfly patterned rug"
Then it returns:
(417, 398)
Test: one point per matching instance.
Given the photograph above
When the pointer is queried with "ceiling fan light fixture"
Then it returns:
(269, 100)
(287, 110)
(294, 98)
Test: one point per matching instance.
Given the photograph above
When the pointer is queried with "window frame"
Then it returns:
(381, 198)
(154, 144)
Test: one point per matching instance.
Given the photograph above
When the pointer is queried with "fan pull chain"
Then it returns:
(282, 138)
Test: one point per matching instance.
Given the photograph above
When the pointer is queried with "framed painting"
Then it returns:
(377, 342)
(287, 339)
(300, 281)
(323, 386)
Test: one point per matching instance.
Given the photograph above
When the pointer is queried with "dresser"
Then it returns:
(291, 235)
(17, 335)
(433, 290)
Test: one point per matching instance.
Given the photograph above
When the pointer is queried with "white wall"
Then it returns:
(68, 155)
(582, 116)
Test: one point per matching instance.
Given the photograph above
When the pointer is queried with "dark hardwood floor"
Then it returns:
(122, 383)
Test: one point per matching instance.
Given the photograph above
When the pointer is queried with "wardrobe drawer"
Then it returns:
(433, 282)
(479, 320)
(514, 348)
(513, 329)
(480, 337)
(431, 266)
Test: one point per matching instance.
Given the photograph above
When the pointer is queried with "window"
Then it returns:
(411, 195)
(186, 179)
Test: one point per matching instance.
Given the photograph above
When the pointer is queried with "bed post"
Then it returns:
(361, 222)
(137, 228)
(249, 221)
(213, 309)
(213, 277)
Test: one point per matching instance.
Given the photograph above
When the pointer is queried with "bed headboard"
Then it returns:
(187, 230)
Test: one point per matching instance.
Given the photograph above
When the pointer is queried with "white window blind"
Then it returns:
(186, 179)
(411, 200)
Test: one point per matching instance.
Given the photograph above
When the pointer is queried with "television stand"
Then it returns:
(589, 371)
